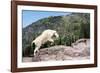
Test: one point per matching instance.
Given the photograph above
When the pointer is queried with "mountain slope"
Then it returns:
(70, 28)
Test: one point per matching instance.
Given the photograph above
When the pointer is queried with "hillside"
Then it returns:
(70, 28)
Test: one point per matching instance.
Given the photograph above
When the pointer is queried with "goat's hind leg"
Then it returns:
(36, 50)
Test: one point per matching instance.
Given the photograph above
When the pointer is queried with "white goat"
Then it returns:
(46, 35)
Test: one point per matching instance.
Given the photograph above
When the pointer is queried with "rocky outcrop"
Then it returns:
(79, 50)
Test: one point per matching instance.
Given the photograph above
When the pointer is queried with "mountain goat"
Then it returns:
(47, 35)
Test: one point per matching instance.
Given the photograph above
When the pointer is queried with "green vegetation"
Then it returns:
(70, 28)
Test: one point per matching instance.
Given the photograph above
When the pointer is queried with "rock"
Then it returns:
(81, 44)
(79, 50)
(27, 59)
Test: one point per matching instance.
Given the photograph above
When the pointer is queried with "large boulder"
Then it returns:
(82, 45)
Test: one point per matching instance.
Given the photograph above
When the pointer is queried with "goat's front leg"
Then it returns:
(52, 41)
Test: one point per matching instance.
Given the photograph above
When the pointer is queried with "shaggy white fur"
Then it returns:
(43, 38)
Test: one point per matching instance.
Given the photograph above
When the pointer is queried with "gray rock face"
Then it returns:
(82, 45)
(79, 50)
